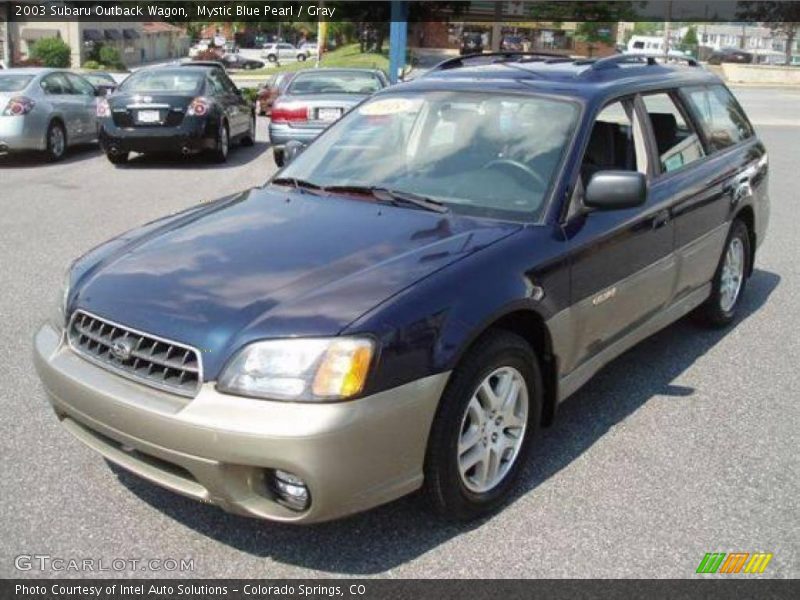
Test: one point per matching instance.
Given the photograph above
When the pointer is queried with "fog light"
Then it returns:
(291, 491)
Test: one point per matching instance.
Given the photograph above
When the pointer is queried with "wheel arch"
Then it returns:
(529, 324)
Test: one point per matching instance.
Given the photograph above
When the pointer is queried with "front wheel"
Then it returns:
(272, 58)
(729, 281)
(483, 429)
(301, 57)
(277, 156)
(249, 138)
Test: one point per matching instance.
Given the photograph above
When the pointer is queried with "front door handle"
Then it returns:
(660, 219)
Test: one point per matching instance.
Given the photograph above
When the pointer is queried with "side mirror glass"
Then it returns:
(615, 190)
(291, 150)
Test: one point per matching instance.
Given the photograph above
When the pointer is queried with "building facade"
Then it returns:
(137, 43)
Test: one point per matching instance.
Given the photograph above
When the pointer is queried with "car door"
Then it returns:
(85, 100)
(287, 51)
(59, 94)
(693, 187)
(227, 100)
(622, 263)
(241, 110)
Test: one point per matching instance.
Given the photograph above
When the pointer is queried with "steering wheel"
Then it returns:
(522, 167)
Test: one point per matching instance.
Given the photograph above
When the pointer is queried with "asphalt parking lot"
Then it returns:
(685, 445)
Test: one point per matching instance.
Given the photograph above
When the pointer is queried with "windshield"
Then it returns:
(98, 79)
(330, 82)
(10, 82)
(157, 80)
(480, 154)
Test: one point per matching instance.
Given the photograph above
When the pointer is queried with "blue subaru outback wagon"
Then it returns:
(408, 301)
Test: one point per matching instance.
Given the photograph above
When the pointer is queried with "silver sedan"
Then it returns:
(46, 110)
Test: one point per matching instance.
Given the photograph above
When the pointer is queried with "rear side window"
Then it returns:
(675, 139)
(720, 116)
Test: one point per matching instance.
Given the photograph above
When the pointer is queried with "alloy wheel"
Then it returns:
(56, 141)
(732, 274)
(492, 429)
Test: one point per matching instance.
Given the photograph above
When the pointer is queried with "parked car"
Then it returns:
(189, 108)
(314, 99)
(276, 52)
(102, 81)
(200, 47)
(275, 85)
(471, 43)
(231, 47)
(237, 61)
(408, 301)
(730, 55)
(309, 48)
(47, 110)
(512, 43)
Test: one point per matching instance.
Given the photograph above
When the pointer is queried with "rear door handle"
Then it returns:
(660, 219)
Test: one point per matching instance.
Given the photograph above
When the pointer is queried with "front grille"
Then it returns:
(160, 363)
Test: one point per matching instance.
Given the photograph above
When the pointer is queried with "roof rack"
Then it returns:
(499, 57)
(613, 62)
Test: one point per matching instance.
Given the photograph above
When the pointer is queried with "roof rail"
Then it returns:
(612, 62)
(458, 62)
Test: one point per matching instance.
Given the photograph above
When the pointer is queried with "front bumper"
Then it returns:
(192, 136)
(22, 133)
(219, 448)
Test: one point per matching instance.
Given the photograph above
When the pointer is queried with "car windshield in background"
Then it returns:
(331, 82)
(14, 82)
(479, 154)
(97, 79)
(171, 81)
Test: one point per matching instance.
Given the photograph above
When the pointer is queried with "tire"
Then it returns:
(460, 497)
(249, 138)
(721, 307)
(223, 144)
(118, 159)
(277, 156)
(272, 58)
(56, 141)
(301, 57)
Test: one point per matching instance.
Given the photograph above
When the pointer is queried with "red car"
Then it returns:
(272, 88)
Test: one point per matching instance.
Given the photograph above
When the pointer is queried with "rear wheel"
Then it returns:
(483, 429)
(730, 279)
(272, 58)
(56, 141)
(120, 158)
(277, 156)
(223, 143)
(301, 57)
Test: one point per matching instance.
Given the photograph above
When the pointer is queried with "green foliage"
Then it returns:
(647, 28)
(690, 42)
(110, 57)
(249, 94)
(594, 33)
(52, 52)
(91, 65)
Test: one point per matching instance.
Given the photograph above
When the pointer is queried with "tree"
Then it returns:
(689, 42)
(52, 52)
(110, 57)
(783, 18)
(595, 33)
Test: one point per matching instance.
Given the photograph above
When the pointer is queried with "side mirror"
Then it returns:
(614, 190)
(291, 150)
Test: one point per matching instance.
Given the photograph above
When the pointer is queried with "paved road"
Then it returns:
(687, 444)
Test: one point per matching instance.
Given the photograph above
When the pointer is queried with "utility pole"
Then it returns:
(667, 23)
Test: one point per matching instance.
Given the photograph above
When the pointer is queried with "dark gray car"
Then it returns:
(315, 99)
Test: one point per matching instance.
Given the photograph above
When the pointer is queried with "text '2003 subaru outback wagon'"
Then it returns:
(410, 298)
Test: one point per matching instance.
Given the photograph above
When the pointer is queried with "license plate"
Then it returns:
(148, 116)
(329, 114)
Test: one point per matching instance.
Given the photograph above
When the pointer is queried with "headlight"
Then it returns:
(300, 369)
(58, 316)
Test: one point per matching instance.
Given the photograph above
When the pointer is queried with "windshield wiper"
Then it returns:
(395, 197)
(298, 184)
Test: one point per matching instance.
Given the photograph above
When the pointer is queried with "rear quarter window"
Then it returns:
(722, 120)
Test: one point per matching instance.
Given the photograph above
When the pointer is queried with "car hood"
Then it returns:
(269, 263)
